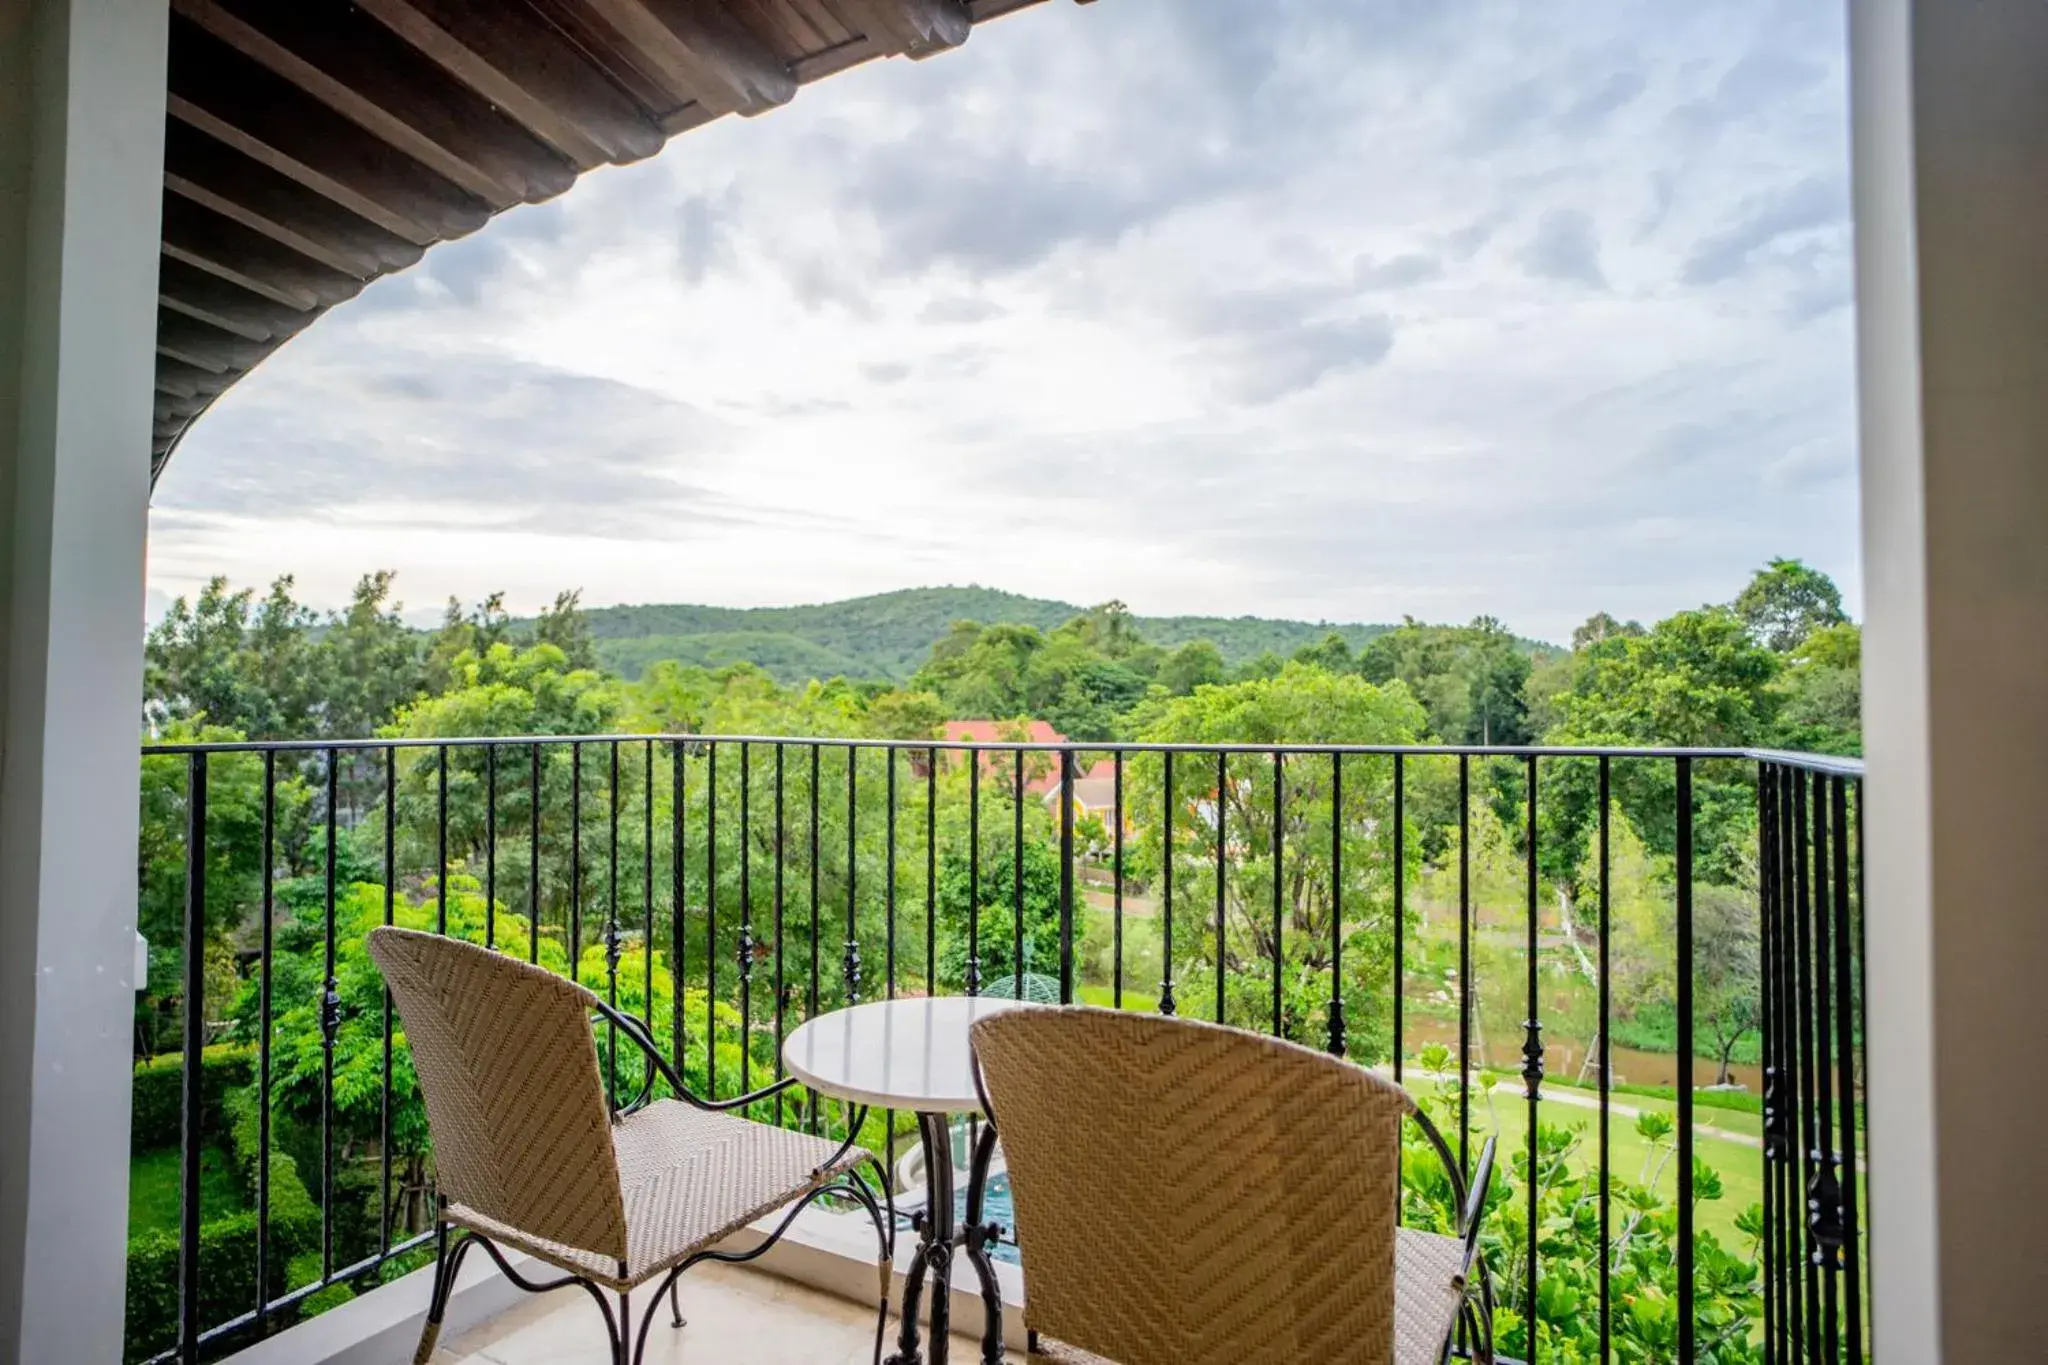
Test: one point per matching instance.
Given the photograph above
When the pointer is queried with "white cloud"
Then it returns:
(1209, 306)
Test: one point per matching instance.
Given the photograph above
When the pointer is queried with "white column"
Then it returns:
(1950, 119)
(81, 175)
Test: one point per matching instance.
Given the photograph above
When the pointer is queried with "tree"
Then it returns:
(1822, 693)
(1233, 811)
(1332, 652)
(1786, 602)
(1600, 627)
(1725, 964)
(370, 661)
(899, 714)
(464, 632)
(1195, 664)
(564, 626)
(992, 902)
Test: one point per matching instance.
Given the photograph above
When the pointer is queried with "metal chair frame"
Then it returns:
(627, 1347)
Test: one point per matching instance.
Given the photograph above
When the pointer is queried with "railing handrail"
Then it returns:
(1830, 764)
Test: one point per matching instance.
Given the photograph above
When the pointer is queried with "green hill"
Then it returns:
(888, 635)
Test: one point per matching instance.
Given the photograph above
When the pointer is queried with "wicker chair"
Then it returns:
(1194, 1195)
(530, 1151)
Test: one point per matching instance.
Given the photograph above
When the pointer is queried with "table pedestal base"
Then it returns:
(938, 1236)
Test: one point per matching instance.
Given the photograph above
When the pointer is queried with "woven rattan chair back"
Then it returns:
(515, 1103)
(1194, 1195)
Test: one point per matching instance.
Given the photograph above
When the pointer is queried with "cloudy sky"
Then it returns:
(1330, 308)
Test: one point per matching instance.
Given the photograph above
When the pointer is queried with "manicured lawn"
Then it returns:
(1739, 1166)
(1105, 996)
(153, 1189)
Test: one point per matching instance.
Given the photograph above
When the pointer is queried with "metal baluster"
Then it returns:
(931, 872)
(1532, 1059)
(973, 982)
(817, 917)
(711, 919)
(889, 893)
(575, 860)
(1687, 1328)
(1116, 874)
(647, 888)
(490, 846)
(1400, 911)
(1017, 877)
(1791, 1229)
(849, 969)
(1279, 880)
(441, 841)
(781, 879)
(330, 1020)
(390, 914)
(263, 965)
(1465, 963)
(532, 861)
(1824, 1198)
(1804, 995)
(1222, 881)
(1845, 1011)
(1066, 877)
(745, 946)
(1336, 1039)
(1166, 900)
(611, 926)
(192, 1095)
(679, 895)
(889, 952)
(1606, 1005)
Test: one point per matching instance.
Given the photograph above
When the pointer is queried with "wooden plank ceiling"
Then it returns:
(315, 145)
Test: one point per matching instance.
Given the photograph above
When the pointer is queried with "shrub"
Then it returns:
(159, 1092)
(227, 1245)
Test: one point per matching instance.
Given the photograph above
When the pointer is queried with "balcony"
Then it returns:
(1528, 939)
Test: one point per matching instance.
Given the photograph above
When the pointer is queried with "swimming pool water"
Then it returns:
(996, 1206)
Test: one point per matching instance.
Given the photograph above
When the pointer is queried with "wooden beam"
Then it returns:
(702, 53)
(264, 116)
(181, 406)
(186, 338)
(512, 57)
(916, 28)
(211, 241)
(362, 71)
(187, 380)
(212, 173)
(210, 298)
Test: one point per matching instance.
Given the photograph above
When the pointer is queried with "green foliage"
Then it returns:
(1786, 602)
(1301, 704)
(991, 903)
(889, 635)
(1470, 679)
(227, 1241)
(156, 1116)
(1643, 1257)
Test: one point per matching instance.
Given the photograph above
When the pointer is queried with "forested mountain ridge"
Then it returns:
(887, 636)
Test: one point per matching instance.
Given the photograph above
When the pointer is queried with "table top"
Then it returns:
(894, 1054)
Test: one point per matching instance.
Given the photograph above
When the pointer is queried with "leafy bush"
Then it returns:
(1643, 1256)
(159, 1092)
(227, 1245)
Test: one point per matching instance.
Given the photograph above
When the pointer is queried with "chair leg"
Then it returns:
(625, 1328)
(445, 1268)
(675, 1300)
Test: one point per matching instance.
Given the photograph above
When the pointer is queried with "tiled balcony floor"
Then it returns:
(735, 1317)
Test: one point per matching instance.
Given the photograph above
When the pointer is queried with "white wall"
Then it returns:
(81, 167)
(1950, 117)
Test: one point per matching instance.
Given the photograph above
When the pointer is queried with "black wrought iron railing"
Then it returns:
(1664, 947)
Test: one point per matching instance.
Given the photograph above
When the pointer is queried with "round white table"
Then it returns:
(915, 1055)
